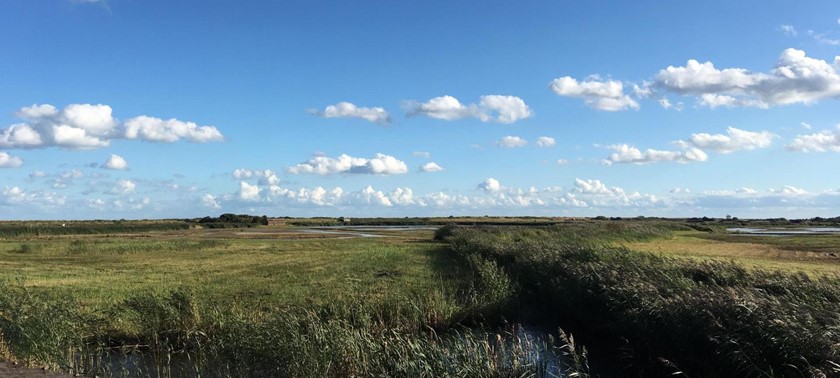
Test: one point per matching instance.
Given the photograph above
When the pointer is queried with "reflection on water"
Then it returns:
(785, 231)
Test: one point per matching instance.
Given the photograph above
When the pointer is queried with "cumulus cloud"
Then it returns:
(430, 167)
(159, 130)
(115, 162)
(826, 140)
(511, 141)
(734, 140)
(88, 126)
(248, 192)
(591, 186)
(265, 176)
(796, 78)
(624, 153)
(404, 197)
(369, 196)
(37, 199)
(545, 141)
(607, 95)
(123, 186)
(380, 164)
(317, 196)
(64, 179)
(348, 110)
(490, 185)
(210, 201)
(495, 108)
(9, 161)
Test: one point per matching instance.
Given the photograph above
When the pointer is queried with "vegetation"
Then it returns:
(213, 303)
(666, 315)
(649, 297)
(13, 229)
(233, 220)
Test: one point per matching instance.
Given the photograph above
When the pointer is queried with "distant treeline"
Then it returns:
(42, 228)
(228, 220)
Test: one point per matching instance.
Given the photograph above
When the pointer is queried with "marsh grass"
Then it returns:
(707, 318)
(177, 335)
(209, 304)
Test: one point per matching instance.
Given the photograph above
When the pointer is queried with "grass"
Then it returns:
(808, 254)
(263, 302)
(660, 315)
(651, 294)
(110, 269)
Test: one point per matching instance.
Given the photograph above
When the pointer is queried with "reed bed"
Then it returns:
(661, 315)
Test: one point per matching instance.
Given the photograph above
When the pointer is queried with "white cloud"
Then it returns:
(600, 94)
(826, 140)
(545, 141)
(504, 109)
(805, 125)
(158, 130)
(404, 197)
(796, 78)
(37, 199)
(265, 176)
(36, 175)
(66, 178)
(490, 185)
(9, 161)
(496, 108)
(735, 140)
(712, 100)
(210, 201)
(380, 164)
(628, 154)
(594, 187)
(562, 162)
(123, 186)
(823, 38)
(789, 30)
(790, 190)
(431, 167)
(348, 110)
(248, 192)
(369, 196)
(241, 174)
(87, 126)
(115, 162)
(422, 154)
(511, 142)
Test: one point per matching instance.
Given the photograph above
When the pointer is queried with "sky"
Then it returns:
(126, 109)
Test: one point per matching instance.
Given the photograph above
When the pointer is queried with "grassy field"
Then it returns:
(266, 301)
(815, 255)
(651, 297)
(227, 265)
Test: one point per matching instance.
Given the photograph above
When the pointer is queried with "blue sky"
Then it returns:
(153, 109)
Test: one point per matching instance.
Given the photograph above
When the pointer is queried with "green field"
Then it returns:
(648, 297)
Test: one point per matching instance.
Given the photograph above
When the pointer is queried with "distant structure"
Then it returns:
(276, 222)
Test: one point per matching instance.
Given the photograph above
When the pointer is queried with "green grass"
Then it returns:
(666, 315)
(109, 269)
(265, 303)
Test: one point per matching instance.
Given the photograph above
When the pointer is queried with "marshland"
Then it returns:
(500, 297)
